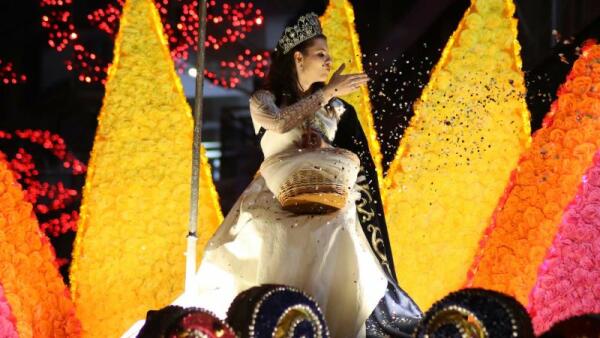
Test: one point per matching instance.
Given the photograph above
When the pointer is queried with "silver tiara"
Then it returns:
(308, 26)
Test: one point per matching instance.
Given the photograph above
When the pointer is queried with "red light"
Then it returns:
(9, 75)
(237, 20)
(46, 197)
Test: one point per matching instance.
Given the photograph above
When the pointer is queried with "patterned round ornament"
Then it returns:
(178, 322)
(279, 311)
(474, 313)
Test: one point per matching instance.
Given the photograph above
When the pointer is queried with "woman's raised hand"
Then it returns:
(343, 84)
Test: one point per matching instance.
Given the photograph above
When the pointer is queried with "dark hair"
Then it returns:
(282, 79)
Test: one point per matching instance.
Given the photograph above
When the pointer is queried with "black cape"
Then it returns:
(396, 314)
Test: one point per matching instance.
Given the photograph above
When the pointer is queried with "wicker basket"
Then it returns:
(308, 191)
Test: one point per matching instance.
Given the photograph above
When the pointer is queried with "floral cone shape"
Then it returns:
(455, 159)
(338, 26)
(34, 295)
(129, 250)
(546, 181)
(567, 283)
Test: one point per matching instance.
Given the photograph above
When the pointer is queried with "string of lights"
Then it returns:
(8, 75)
(228, 23)
(50, 200)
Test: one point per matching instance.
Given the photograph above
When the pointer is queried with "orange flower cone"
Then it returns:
(33, 287)
(545, 182)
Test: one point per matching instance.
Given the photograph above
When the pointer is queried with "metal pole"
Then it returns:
(192, 236)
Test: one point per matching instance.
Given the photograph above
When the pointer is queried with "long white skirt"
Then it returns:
(326, 256)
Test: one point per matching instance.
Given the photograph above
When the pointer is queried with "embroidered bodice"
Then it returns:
(285, 126)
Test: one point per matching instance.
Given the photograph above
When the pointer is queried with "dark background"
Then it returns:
(404, 36)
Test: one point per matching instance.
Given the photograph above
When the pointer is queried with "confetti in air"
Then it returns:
(455, 158)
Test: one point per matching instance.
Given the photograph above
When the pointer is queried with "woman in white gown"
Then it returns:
(325, 255)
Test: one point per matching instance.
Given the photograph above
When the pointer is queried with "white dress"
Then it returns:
(326, 256)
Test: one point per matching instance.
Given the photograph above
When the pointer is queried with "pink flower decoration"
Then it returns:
(589, 213)
(593, 178)
(567, 283)
(594, 195)
(7, 320)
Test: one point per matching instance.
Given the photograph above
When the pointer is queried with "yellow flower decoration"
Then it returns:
(38, 298)
(129, 250)
(344, 47)
(470, 126)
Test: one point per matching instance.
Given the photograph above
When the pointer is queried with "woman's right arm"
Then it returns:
(266, 113)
